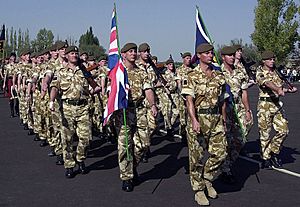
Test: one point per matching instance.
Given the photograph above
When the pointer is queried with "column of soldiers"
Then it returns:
(58, 100)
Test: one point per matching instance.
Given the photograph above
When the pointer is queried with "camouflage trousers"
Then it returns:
(36, 110)
(75, 119)
(30, 113)
(236, 137)
(212, 140)
(137, 132)
(169, 112)
(97, 113)
(57, 129)
(271, 114)
(23, 108)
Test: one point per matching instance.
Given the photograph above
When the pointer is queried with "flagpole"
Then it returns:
(219, 62)
(129, 157)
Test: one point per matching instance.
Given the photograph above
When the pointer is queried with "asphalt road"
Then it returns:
(28, 177)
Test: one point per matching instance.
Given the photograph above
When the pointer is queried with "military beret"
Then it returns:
(84, 52)
(103, 57)
(186, 54)
(26, 51)
(267, 55)
(169, 61)
(53, 48)
(43, 52)
(228, 50)
(12, 54)
(204, 47)
(154, 58)
(33, 55)
(71, 49)
(144, 47)
(61, 44)
(237, 47)
(128, 46)
(91, 58)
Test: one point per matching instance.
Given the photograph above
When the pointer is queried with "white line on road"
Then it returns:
(278, 169)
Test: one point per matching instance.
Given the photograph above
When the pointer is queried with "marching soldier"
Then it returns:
(140, 88)
(72, 81)
(238, 113)
(143, 63)
(270, 110)
(204, 89)
(181, 74)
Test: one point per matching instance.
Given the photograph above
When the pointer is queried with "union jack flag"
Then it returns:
(119, 85)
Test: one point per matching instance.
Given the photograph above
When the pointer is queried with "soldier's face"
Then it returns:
(54, 54)
(72, 57)
(145, 55)
(27, 57)
(130, 55)
(238, 54)
(187, 60)
(12, 59)
(102, 63)
(170, 66)
(228, 59)
(61, 52)
(84, 57)
(39, 59)
(269, 62)
(206, 57)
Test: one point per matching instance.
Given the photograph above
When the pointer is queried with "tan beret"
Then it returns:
(204, 47)
(186, 54)
(144, 47)
(267, 55)
(128, 46)
(228, 50)
(71, 49)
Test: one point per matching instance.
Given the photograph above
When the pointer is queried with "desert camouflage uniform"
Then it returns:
(36, 103)
(74, 90)
(170, 112)
(136, 123)
(208, 94)
(270, 113)
(236, 136)
(150, 118)
(27, 75)
(181, 74)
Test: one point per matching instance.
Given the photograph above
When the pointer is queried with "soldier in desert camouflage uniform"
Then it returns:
(270, 111)
(204, 89)
(73, 84)
(140, 88)
(238, 112)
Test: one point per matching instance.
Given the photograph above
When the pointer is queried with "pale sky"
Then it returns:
(168, 26)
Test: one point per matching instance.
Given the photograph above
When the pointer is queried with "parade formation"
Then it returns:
(58, 100)
(65, 98)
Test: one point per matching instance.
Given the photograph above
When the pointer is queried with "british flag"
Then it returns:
(119, 85)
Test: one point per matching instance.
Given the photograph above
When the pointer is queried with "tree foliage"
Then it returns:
(89, 43)
(44, 39)
(276, 25)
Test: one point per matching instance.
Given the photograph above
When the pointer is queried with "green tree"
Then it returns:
(276, 25)
(44, 39)
(90, 43)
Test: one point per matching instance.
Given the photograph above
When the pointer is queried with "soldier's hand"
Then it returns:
(248, 115)
(154, 110)
(51, 106)
(280, 92)
(293, 90)
(196, 126)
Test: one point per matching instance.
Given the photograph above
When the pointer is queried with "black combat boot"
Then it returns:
(43, 143)
(31, 132)
(146, 155)
(127, 185)
(25, 127)
(69, 173)
(276, 161)
(59, 160)
(52, 152)
(266, 164)
(81, 168)
(17, 110)
(36, 137)
(228, 178)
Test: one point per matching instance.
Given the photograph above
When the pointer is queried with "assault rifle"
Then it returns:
(161, 79)
(87, 74)
(282, 77)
